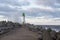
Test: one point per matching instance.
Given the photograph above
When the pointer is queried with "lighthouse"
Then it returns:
(23, 18)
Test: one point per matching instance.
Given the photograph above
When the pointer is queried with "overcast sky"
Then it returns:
(42, 12)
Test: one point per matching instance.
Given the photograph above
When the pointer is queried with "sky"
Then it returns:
(40, 12)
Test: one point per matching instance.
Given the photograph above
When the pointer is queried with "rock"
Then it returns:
(46, 35)
(53, 35)
(58, 36)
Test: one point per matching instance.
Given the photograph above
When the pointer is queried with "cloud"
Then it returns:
(45, 2)
(15, 2)
(38, 11)
(43, 20)
(3, 18)
(42, 7)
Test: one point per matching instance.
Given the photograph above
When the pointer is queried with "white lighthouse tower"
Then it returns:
(23, 18)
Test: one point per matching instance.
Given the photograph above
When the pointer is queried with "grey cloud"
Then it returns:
(58, 1)
(34, 12)
(7, 8)
(46, 2)
(15, 2)
(39, 12)
(12, 2)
